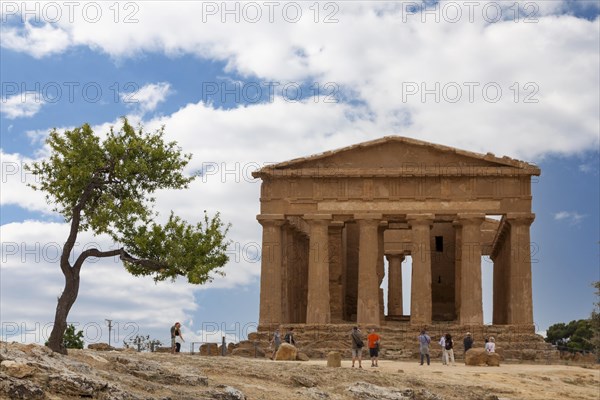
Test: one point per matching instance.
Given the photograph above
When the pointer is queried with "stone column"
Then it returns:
(471, 305)
(520, 308)
(368, 312)
(457, 266)
(270, 269)
(336, 270)
(395, 283)
(381, 266)
(317, 308)
(420, 304)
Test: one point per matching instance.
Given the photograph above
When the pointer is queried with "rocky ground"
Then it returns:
(34, 372)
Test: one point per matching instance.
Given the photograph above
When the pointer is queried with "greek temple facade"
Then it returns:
(330, 220)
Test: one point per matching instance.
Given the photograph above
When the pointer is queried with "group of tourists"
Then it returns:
(447, 345)
(276, 341)
(373, 342)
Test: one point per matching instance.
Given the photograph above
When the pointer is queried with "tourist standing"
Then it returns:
(373, 341)
(449, 347)
(176, 338)
(424, 341)
(468, 341)
(289, 337)
(442, 343)
(275, 342)
(357, 346)
(490, 346)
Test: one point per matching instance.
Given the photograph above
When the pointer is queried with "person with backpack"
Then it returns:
(357, 346)
(289, 337)
(449, 345)
(424, 341)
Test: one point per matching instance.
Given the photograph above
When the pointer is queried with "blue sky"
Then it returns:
(243, 94)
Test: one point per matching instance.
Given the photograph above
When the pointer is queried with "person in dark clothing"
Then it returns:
(289, 337)
(468, 341)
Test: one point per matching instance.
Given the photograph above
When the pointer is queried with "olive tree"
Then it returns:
(106, 186)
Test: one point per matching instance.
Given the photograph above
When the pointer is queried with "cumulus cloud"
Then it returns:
(37, 40)
(572, 217)
(23, 105)
(147, 97)
(531, 80)
(14, 184)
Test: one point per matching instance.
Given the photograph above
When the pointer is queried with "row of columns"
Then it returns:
(468, 294)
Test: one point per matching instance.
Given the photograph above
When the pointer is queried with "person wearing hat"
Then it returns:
(468, 341)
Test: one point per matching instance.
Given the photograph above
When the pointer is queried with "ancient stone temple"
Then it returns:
(330, 220)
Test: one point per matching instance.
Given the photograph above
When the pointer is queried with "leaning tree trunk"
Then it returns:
(65, 302)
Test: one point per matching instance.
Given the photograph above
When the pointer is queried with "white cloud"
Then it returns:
(376, 52)
(37, 40)
(23, 105)
(147, 97)
(572, 217)
(14, 184)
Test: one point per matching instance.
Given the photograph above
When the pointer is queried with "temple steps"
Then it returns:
(399, 340)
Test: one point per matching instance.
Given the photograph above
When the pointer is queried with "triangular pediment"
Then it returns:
(400, 155)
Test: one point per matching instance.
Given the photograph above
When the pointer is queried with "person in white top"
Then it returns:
(490, 346)
(443, 344)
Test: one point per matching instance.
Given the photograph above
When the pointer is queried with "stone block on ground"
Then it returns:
(209, 349)
(493, 359)
(247, 348)
(286, 352)
(302, 356)
(100, 347)
(476, 356)
(334, 359)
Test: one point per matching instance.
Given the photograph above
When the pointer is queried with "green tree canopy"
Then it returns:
(576, 335)
(106, 186)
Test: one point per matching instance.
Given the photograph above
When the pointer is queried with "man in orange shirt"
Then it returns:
(373, 341)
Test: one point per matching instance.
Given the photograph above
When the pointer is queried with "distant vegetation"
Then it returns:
(72, 339)
(579, 335)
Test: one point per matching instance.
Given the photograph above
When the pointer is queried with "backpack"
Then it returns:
(358, 341)
(448, 344)
(288, 338)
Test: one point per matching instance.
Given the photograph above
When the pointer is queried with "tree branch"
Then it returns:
(148, 264)
(94, 253)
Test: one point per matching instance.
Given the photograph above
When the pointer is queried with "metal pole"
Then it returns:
(109, 329)
(223, 349)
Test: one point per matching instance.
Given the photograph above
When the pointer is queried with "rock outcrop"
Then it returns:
(286, 352)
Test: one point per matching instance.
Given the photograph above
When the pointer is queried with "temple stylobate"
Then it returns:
(330, 220)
